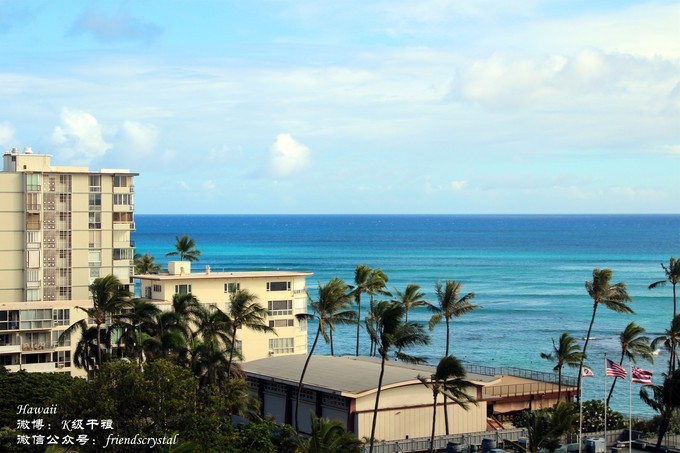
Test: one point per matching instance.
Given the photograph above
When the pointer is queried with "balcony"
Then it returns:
(37, 346)
(8, 348)
(47, 367)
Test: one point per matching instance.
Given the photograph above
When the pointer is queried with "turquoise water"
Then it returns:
(527, 272)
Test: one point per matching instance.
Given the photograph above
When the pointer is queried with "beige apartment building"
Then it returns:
(60, 228)
(283, 293)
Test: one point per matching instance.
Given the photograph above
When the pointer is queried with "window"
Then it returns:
(182, 289)
(32, 221)
(95, 220)
(32, 182)
(32, 201)
(9, 319)
(280, 307)
(281, 346)
(120, 181)
(282, 323)
(157, 288)
(238, 346)
(32, 295)
(33, 237)
(36, 319)
(61, 359)
(95, 183)
(232, 287)
(123, 254)
(95, 239)
(122, 199)
(278, 286)
(94, 258)
(95, 201)
(61, 317)
(122, 217)
(65, 341)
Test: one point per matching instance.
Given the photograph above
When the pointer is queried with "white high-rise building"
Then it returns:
(60, 228)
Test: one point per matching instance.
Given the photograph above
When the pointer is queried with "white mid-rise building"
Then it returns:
(282, 293)
(60, 228)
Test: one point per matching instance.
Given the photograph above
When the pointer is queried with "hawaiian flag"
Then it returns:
(641, 376)
(587, 372)
(614, 369)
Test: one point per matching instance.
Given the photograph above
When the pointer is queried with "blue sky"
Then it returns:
(390, 106)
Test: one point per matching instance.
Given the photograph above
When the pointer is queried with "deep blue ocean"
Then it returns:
(527, 271)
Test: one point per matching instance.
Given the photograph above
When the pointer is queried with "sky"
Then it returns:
(379, 106)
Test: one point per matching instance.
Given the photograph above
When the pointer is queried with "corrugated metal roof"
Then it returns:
(349, 376)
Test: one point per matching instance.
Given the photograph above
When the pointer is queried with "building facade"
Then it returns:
(283, 293)
(60, 228)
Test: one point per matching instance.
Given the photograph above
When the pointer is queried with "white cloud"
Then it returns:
(288, 156)
(458, 185)
(79, 137)
(183, 185)
(139, 138)
(209, 185)
(6, 135)
(115, 27)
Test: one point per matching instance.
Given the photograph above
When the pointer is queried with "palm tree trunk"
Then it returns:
(231, 354)
(559, 384)
(331, 335)
(674, 306)
(99, 345)
(434, 420)
(446, 412)
(377, 401)
(302, 376)
(663, 427)
(611, 390)
(358, 321)
(583, 357)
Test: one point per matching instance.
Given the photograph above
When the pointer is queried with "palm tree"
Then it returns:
(329, 308)
(410, 298)
(670, 340)
(186, 249)
(244, 311)
(138, 318)
(545, 427)
(614, 297)
(367, 281)
(665, 399)
(329, 436)
(673, 276)
(145, 264)
(85, 354)
(451, 305)
(167, 337)
(566, 352)
(393, 332)
(633, 345)
(449, 379)
(109, 296)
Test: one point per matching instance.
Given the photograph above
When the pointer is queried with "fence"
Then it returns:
(423, 443)
(520, 372)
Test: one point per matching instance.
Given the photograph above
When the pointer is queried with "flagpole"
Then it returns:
(580, 413)
(605, 401)
(630, 409)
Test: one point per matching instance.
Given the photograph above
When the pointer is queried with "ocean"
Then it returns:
(527, 272)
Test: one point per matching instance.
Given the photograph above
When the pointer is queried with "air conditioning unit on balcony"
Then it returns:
(61, 365)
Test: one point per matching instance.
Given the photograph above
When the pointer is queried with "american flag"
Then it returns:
(614, 369)
(641, 376)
